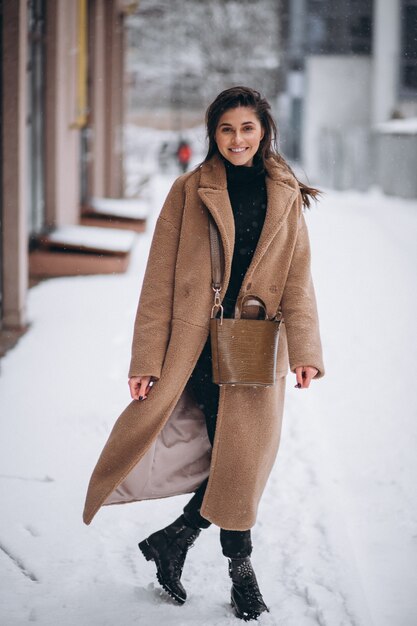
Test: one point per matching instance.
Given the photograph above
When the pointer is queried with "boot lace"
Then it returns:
(253, 595)
(181, 552)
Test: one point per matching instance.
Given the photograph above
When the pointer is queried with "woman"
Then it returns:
(181, 433)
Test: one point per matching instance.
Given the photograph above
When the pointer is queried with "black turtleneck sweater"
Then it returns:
(247, 193)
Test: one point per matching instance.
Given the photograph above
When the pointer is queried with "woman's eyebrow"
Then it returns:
(242, 124)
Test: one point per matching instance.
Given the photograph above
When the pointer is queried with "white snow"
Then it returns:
(93, 238)
(121, 207)
(407, 126)
(335, 541)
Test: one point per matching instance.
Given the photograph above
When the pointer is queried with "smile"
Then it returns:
(237, 150)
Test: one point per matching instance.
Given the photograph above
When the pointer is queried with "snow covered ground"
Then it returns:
(336, 539)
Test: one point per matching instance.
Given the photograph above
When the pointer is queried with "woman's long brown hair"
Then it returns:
(247, 97)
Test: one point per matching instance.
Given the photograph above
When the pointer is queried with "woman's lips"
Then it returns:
(237, 150)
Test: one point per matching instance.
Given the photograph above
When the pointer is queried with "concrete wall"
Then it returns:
(337, 98)
(15, 262)
(408, 108)
(395, 161)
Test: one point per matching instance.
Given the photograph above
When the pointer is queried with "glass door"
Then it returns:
(35, 116)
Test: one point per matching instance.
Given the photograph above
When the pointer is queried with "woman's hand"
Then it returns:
(304, 375)
(139, 387)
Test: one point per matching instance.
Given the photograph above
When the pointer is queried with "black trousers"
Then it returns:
(235, 543)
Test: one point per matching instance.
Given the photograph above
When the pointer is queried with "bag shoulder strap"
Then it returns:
(217, 257)
(217, 273)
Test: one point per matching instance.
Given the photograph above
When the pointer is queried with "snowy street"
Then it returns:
(336, 539)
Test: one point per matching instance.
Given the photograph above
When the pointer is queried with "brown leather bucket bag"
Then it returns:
(244, 348)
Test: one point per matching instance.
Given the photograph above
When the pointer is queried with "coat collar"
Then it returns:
(281, 188)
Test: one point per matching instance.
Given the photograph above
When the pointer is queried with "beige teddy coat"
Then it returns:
(159, 447)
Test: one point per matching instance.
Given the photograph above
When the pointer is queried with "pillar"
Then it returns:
(14, 174)
(386, 52)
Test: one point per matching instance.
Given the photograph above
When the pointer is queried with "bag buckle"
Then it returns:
(217, 304)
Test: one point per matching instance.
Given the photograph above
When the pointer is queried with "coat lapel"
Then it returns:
(213, 192)
(282, 189)
(280, 198)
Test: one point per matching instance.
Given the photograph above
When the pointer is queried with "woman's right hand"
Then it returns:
(139, 387)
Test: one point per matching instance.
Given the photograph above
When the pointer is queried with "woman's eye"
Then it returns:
(248, 128)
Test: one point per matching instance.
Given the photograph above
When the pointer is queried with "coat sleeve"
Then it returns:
(152, 325)
(299, 307)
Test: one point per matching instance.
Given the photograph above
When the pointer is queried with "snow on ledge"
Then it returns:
(407, 126)
(93, 238)
(121, 207)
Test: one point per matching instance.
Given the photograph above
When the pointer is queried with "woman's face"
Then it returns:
(238, 135)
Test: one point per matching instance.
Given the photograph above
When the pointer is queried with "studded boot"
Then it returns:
(168, 548)
(246, 598)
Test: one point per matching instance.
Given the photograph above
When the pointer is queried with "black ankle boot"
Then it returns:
(168, 548)
(246, 598)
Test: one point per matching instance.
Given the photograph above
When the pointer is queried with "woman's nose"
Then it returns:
(237, 137)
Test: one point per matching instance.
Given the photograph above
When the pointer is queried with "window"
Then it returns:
(339, 27)
(408, 59)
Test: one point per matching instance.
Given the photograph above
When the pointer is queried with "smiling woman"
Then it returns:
(184, 433)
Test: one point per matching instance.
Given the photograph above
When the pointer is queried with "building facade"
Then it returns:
(349, 66)
(61, 117)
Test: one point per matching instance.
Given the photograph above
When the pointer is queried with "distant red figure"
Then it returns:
(184, 155)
